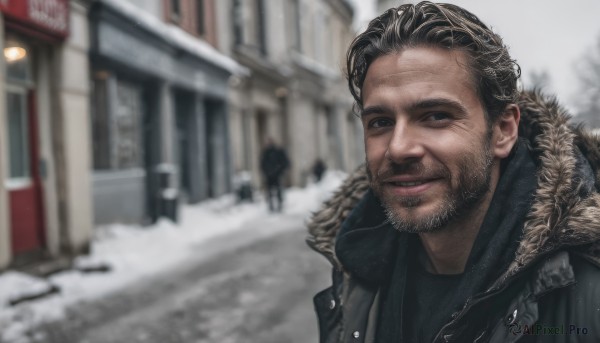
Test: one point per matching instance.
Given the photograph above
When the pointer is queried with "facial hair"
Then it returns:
(472, 183)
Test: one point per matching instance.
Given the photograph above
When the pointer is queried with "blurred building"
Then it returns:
(296, 92)
(45, 206)
(383, 5)
(160, 113)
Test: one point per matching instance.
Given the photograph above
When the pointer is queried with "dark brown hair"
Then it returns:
(447, 26)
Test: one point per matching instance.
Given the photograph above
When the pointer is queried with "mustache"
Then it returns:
(392, 169)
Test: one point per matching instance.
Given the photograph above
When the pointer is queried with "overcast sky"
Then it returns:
(541, 34)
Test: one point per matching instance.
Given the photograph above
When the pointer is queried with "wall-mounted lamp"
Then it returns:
(14, 53)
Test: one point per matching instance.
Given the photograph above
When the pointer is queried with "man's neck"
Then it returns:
(446, 251)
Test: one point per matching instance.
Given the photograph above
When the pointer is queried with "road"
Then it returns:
(234, 292)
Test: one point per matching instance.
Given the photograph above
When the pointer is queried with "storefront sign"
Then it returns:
(47, 16)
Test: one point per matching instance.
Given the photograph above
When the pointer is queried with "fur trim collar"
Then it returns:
(566, 209)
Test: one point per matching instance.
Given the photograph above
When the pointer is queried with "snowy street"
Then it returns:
(249, 279)
(251, 293)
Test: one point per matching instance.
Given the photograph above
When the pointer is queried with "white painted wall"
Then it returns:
(75, 124)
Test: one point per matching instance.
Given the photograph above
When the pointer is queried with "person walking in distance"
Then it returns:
(273, 163)
(476, 217)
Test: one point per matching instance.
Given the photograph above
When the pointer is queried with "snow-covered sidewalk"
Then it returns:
(133, 252)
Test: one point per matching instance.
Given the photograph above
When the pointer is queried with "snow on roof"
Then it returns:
(176, 36)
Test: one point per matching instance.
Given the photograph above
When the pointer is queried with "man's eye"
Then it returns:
(380, 122)
(436, 116)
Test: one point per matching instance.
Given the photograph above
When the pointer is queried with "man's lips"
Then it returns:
(408, 181)
(409, 186)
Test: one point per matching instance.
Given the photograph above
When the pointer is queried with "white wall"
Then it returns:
(75, 128)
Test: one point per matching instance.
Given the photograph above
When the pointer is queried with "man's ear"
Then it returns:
(506, 131)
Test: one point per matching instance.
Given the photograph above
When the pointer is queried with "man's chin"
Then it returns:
(416, 218)
(404, 204)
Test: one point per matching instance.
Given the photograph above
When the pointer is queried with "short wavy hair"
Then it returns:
(447, 26)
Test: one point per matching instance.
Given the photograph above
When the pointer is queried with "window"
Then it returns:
(294, 29)
(126, 123)
(19, 81)
(297, 27)
(261, 27)
(175, 7)
(100, 121)
(200, 22)
(117, 129)
(319, 39)
(18, 133)
(249, 25)
(238, 22)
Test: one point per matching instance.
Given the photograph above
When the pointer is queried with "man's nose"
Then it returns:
(405, 144)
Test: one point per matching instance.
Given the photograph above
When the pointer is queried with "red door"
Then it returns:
(25, 191)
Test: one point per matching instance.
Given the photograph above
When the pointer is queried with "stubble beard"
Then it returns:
(472, 184)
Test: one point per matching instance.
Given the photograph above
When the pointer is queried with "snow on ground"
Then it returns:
(133, 252)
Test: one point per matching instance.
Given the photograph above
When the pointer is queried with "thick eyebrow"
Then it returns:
(438, 102)
(419, 105)
(372, 110)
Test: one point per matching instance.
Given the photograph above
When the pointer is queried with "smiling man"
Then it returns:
(476, 217)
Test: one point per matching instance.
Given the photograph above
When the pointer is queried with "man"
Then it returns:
(273, 163)
(318, 169)
(477, 215)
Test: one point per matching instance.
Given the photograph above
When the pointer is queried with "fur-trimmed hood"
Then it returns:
(566, 209)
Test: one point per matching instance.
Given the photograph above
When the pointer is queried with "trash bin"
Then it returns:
(167, 196)
(243, 186)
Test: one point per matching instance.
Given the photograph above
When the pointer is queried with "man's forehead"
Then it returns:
(418, 65)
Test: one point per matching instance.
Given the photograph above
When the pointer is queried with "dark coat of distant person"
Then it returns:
(273, 163)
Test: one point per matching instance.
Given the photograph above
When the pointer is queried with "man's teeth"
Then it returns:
(409, 184)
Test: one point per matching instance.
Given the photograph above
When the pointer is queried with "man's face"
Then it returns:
(426, 138)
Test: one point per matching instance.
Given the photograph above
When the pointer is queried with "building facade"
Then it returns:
(159, 120)
(384, 5)
(45, 207)
(296, 93)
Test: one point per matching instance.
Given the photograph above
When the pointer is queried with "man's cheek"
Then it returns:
(373, 170)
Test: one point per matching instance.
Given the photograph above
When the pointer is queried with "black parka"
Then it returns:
(550, 292)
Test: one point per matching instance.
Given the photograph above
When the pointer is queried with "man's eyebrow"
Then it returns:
(372, 110)
(438, 102)
(419, 105)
